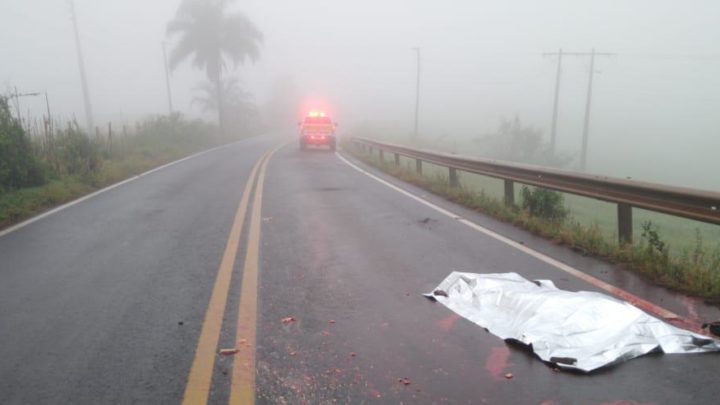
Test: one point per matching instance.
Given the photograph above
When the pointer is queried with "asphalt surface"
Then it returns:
(104, 302)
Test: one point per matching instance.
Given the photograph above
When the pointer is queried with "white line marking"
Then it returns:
(648, 306)
(106, 189)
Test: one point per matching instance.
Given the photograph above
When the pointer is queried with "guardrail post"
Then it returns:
(397, 160)
(382, 156)
(453, 176)
(418, 166)
(509, 192)
(625, 228)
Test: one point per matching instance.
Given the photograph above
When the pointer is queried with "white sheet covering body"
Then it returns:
(577, 330)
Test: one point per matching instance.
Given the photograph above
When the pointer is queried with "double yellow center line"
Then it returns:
(243, 377)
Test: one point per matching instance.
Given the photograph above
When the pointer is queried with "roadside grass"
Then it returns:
(154, 142)
(692, 268)
(18, 205)
(26, 202)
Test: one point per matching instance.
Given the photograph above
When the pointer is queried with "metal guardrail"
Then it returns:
(699, 205)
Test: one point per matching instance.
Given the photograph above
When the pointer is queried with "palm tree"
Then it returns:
(212, 36)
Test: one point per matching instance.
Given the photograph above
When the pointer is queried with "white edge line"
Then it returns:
(662, 312)
(106, 189)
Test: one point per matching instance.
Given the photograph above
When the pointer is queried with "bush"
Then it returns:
(18, 166)
(76, 154)
(544, 203)
(516, 142)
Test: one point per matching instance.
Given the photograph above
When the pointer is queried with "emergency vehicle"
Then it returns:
(317, 129)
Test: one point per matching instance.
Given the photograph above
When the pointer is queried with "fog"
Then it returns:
(654, 108)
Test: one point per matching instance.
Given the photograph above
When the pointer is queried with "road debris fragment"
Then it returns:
(229, 352)
(332, 321)
(289, 319)
(713, 327)
(440, 293)
(508, 376)
(404, 381)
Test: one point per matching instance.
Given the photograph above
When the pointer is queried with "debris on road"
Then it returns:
(404, 381)
(229, 352)
(288, 320)
(332, 321)
(574, 330)
(713, 327)
(508, 376)
(440, 293)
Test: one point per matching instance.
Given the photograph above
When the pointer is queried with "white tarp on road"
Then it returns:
(578, 330)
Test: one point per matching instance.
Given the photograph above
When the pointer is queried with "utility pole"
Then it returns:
(586, 125)
(553, 129)
(47, 105)
(17, 105)
(417, 94)
(167, 79)
(49, 121)
(81, 65)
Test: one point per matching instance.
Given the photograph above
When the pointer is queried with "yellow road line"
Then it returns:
(200, 378)
(242, 388)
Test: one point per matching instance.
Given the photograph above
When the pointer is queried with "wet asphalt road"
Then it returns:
(104, 301)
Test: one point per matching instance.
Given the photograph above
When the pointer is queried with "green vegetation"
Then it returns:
(543, 203)
(37, 174)
(695, 270)
(18, 165)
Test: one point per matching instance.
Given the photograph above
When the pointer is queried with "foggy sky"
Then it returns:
(481, 61)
